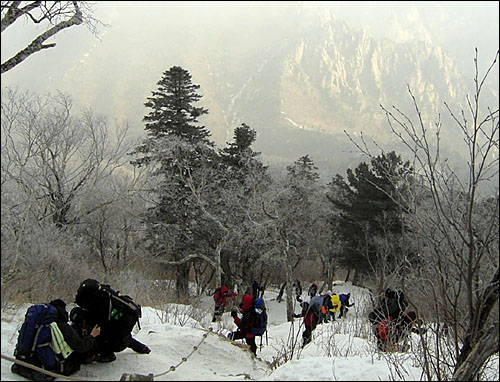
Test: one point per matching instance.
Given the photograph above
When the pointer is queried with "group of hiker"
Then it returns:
(392, 322)
(320, 308)
(254, 315)
(99, 325)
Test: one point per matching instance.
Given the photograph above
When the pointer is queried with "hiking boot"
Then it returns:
(106, 358)
(143, 350)
(90, 359)
(139, 347)
(30, 374)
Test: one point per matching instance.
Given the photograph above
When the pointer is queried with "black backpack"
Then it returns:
(107, 305)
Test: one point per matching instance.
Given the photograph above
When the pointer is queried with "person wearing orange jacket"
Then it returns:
(220, 297)
(245, 323)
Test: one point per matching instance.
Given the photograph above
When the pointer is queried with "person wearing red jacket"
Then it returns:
(220, 297)
(310, 322)
(245, 323)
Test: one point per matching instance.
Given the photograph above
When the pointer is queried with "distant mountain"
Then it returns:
(318, 77)
(296, 72)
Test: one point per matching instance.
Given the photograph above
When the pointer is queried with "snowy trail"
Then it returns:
(339, 350)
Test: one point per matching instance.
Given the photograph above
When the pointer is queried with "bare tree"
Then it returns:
(455, 227)
(54, 15)
(52, 160)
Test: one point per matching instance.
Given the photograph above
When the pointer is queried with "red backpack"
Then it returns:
(383, 328)
(219, 294)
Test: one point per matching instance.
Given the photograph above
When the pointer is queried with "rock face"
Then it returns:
(322, 76)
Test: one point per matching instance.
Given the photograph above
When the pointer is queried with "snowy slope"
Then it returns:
(342, 350)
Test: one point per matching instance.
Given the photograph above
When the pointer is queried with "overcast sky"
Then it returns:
(147, 37)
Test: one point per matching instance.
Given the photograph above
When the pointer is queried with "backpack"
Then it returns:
(35, 338)
(260, 317)
(344, 298)
(383, 329)
(316, 304)
(218, 295)
(107, 305)
(335, 303)
(396, 304)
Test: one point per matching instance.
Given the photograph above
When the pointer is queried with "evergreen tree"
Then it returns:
(176, 147)
(172, 107)
(366, 206)
(244, 175)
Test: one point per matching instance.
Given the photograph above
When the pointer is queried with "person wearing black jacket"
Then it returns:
(114, 338)
(82, 348)
(245, 323)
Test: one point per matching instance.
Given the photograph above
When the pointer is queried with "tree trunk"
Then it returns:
(182, 281)
(218, 273)
(479, 354)
(348, 274)
(282, 290)
(487, 301)
(355, 278)
(225, 279)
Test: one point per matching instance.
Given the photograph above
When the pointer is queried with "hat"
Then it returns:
(60, 305)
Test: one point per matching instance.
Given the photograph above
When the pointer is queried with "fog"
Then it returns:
(115, 70)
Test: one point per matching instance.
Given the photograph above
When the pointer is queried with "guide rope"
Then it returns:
(47, 372)
(184, 359)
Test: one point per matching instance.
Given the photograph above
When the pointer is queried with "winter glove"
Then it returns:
(145, 350)
(234, 314)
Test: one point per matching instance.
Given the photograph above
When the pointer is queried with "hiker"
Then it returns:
(385, 318)
(393, 331)
(59, 347)
(82, 319)
(326, 314)
(310, 322)
(116, 315)
(245, 323)
(335, 305)
(392, 304)
(313, 289)
(344, 304)
(256, 289)
(220, 297)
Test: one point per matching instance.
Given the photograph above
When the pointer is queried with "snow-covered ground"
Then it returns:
(178, 336)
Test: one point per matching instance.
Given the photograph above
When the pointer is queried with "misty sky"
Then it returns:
(148, 36)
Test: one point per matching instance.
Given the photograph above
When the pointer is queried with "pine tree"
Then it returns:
(244, 175)
(176, 147)
(172, 107)
(366, 207)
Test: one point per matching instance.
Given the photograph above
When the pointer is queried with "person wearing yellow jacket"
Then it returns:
(335, 306)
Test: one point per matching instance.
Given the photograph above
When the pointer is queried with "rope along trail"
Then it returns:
(126, 376)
